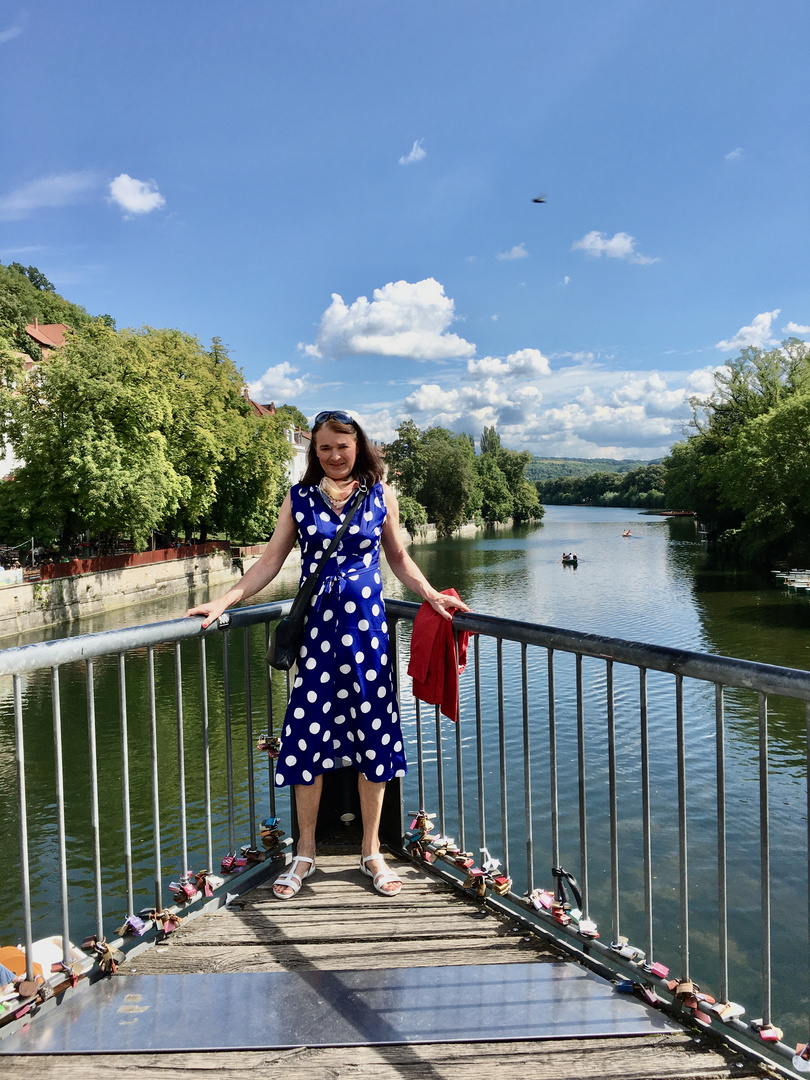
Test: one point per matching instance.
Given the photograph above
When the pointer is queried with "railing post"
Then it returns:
(479, 748)
(722, 879)
(181, 762)
(249, 736)
(60, 813)
(22, 811)
(268, 683)
(440, 769)
(552, 762)
(583, 809)
(527, 768)
(127, 814)
(420, 766)
(95, 824)
(683, 857)
(502, 760)
(226, 684)
(765, 858)
(646, 825)
(153, 747)
(459, 762)
(206, 756)
(614, 808)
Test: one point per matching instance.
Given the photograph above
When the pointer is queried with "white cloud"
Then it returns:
(135, 196)
(526, 362)
(517, 252)
(702, 382)
(279, 383)
(59, 189)
(735, 155)
(585, 409)
(406, 319)
(619, 246)
(795, 328)
(10, 34)
(417, 152)
(758, 334)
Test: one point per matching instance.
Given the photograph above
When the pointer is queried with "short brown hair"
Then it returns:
(368, 463)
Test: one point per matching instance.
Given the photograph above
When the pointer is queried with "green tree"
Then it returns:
(151, 432)
(733, 434)
(405, 460)
(411, 513)
(449, 480)
(90, 426)
(293, 416)
(491, 441)
(497, 503)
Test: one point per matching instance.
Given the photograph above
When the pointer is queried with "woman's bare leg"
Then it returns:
(307, 801)
(371, 803)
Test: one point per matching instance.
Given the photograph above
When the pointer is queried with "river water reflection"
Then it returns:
(657, 585)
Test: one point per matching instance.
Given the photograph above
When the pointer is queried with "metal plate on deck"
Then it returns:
(263, 1010)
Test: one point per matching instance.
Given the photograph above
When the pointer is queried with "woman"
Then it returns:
(343, 706)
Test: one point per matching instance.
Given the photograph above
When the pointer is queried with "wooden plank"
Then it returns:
(260, 931)
(648, 1057)
(333, 956)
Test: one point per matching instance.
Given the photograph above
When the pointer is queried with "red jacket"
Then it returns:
(434, 666)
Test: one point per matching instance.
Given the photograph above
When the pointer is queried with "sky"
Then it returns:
(343, 192)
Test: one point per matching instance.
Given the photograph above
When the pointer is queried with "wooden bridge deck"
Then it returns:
(336, 923)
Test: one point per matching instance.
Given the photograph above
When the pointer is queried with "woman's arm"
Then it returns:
(405, 568)
(261, 573)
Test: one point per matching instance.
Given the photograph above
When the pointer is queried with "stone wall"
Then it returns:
(38, 604)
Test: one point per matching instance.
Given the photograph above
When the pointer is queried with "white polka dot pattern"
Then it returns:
(343, 708)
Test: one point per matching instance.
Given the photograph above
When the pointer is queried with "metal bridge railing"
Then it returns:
(556, 760)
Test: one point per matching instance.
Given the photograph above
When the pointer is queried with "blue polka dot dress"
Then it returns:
(343, 706)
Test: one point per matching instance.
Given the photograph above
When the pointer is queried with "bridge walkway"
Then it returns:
(338, 923)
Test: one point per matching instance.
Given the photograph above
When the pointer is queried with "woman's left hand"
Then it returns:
(446, 605)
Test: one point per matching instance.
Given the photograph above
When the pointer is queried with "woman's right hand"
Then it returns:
(211, 611)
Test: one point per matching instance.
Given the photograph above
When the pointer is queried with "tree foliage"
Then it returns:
(542, 469)
(25, 295)
(439, 472)
(123, 434)
(743, 468)
(293, 417)
(643, 486)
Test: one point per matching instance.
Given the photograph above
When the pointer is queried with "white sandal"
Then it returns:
(385, 876)
(292, 879)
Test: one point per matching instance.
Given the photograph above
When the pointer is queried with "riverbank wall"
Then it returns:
(39, 604)
(32, 606)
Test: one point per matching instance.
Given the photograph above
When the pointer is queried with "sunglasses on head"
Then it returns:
(334, 414)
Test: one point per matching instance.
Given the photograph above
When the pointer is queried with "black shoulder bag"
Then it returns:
(285, 640)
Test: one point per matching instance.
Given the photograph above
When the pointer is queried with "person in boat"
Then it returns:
(343, 708)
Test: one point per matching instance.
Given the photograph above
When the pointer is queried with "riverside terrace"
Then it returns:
(529, 985)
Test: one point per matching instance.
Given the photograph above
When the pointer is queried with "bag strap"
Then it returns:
(308, 585)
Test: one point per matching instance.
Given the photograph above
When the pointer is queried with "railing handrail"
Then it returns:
(726, 670)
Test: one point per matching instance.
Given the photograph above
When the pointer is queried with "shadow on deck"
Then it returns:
(338, 923)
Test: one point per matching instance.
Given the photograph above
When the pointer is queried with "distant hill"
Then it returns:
(556, 468)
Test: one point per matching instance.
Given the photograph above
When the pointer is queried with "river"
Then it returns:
(658, 585)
